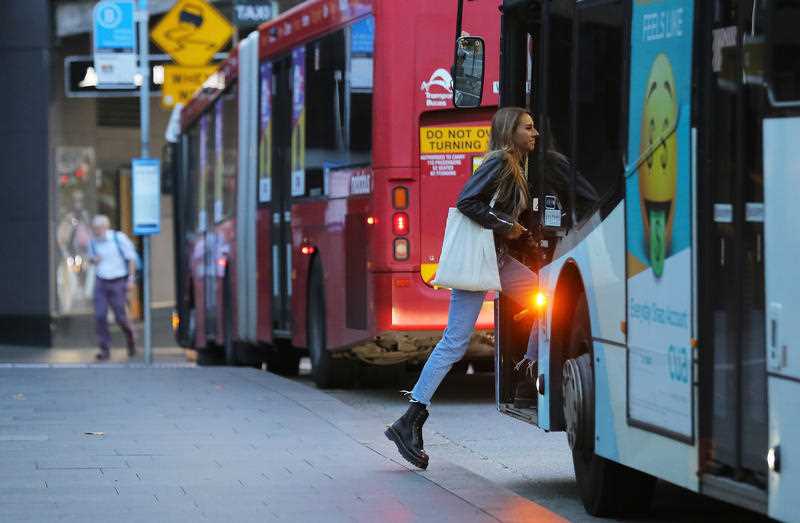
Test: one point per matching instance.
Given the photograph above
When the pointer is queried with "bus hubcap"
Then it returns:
(573, 395)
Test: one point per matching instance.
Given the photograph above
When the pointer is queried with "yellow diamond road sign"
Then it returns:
(180, 83)
(192, 32)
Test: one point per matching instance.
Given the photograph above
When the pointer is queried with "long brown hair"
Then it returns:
(512, 183)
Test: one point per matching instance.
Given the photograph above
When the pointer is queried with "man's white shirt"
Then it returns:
(111, 265)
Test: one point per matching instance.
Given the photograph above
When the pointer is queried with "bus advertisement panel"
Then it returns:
(265, 134)
(659, 212)
(298, 122)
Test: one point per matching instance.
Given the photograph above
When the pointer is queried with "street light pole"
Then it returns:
(144, 112)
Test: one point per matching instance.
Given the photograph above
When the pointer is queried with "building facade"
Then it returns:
(64, 157)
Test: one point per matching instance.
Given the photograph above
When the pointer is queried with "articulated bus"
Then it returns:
(316, 168)
(667, 344)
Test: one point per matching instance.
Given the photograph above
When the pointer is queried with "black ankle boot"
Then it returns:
(423, 416)
(406, 433)
(525, 395)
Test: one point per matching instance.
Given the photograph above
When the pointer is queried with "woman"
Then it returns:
(504, 173)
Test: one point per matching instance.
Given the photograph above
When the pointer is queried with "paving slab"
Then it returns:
(132, 443)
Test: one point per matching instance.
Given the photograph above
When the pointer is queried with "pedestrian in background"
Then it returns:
(114, 257)
(494, 197)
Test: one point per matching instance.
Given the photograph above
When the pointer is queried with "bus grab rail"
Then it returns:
(774, 102)
(631, 169)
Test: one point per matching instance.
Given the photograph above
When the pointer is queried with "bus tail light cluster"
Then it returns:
(401, 248)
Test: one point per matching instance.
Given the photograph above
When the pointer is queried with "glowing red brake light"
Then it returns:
(400, 224)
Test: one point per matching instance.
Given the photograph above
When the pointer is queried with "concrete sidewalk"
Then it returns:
(75, 342)
(217, 444)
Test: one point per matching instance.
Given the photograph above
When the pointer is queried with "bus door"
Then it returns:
(733, 249)
(782, 250)
(281, 237)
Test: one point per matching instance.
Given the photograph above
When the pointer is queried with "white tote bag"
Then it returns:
(468, 261)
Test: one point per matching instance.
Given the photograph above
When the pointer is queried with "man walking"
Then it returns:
(114, 257)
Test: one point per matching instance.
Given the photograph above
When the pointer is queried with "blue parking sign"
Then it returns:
(114, 25)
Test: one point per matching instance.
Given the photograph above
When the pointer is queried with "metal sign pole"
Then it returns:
(144, 107)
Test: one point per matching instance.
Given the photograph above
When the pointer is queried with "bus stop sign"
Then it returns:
(114, 44)
(192, 32)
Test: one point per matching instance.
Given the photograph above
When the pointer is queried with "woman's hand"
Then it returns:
(516, 231)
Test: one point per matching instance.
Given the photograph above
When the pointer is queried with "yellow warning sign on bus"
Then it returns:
(444, 140)
(181, 82)
(192, 32)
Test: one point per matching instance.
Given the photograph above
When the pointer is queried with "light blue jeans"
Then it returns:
(518, 283)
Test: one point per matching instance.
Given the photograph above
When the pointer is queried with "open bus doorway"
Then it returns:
(733, 254)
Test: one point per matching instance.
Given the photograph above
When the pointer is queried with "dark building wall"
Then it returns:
(24, 165)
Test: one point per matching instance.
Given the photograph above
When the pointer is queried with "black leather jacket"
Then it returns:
(473, 202)
(476, 195)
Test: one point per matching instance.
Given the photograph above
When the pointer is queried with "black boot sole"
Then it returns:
(409, 456)
(523, 403)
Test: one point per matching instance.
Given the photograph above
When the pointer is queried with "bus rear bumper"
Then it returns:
(416, 306)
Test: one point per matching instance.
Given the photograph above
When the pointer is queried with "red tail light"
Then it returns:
(307, 249)
(400, 224)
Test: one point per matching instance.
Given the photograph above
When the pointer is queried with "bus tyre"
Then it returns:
(327, 371)
(284, 359)
(205, 356)
(483, 365)
(191, 335)
(228, 345)
(459, 368)
(606, 487)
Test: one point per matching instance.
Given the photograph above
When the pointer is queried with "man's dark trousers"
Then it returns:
(112, 292)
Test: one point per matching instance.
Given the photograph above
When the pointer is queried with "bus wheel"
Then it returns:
(327, 371)
(205, 356)
(606, 487)
(192, 328)
(283, 359)
(228, 344)
(483, 365)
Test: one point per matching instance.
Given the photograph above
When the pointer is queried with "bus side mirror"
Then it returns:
(783, 46)
(468, 72)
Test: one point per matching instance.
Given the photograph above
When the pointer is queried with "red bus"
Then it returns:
(315, 172)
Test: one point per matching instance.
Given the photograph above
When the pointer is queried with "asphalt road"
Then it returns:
(465, 428)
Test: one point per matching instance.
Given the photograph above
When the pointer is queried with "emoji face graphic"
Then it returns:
(658, 173)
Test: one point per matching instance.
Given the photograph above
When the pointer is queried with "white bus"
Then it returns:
(669, 338)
